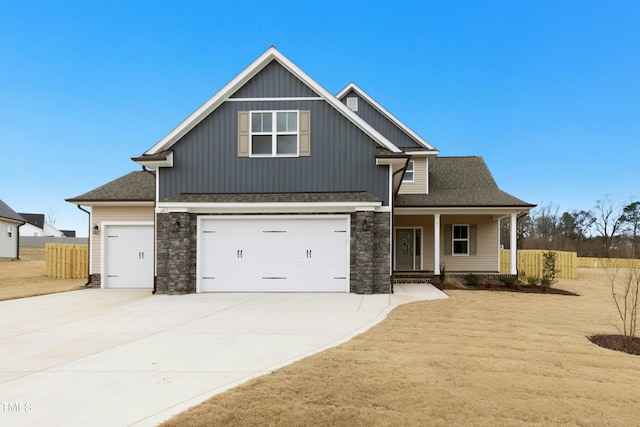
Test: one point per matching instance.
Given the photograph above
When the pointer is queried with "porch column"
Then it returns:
(513, 244)
(436, 244)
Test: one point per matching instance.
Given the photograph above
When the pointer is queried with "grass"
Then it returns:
(478, 358)
(19, 279)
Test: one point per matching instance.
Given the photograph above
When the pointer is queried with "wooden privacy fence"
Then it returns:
(613, 262)
(64, 261)
(530, 262)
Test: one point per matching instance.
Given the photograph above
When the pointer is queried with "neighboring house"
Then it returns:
(275, 184)
(37, 226)
(10, 223)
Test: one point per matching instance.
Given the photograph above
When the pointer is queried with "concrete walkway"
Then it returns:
(126, 357)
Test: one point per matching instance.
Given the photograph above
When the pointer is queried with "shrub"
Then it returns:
(454, 282)
(472, 279)
(533, 280)
(509, 280)
(549, 268)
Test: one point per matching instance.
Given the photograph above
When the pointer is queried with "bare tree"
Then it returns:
(546, 226)
(608, 220)
(631, 218)
(52, 215)
(626, 296)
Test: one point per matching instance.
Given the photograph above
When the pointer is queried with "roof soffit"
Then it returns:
(241, 79)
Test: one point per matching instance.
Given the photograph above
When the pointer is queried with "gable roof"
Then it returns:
(37, 220)
(138, 186)
(393, 119)
(460, 182)
(7, 213)
(271, 54)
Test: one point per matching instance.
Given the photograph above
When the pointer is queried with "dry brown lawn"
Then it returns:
(478, 358)
(20, 279)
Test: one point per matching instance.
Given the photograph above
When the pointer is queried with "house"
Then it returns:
(37, 226)
(274, 184)
(10, 223)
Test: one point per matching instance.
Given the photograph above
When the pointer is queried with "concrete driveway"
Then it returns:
(126, 357)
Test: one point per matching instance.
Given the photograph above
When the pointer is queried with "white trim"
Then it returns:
(513, 244)
(274, 134)
(453, 240)
(395, 229)
(284, 98)
(320, 207)
(247, 74)
(459, 211)
(201, 218)
(391, 117)
(436, 244)
(114, 203)
(104, 225)
(157, 164)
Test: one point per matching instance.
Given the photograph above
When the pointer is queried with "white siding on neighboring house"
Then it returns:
(419, 184)
(31, 230)
(101, 214)
(8, 243)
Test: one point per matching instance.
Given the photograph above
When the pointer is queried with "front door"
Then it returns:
(408, 254)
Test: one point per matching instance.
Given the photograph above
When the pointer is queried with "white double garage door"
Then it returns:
(293, 253)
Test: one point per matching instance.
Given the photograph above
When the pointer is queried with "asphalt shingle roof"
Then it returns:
(361, 197)
(138, 186)
(8, 213)
(460, 182)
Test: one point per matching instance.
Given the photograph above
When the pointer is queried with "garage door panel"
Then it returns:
(129, 256)
(274, 255)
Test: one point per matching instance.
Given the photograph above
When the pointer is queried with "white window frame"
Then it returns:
(352, 103)
(274, 133)
(454, 239)
(411, 167)
(10, 231)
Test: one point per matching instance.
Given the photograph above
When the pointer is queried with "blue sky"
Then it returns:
(548, 92)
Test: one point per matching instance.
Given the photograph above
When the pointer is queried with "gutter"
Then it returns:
(89, 248)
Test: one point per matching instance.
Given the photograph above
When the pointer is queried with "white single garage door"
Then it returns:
(273, 254)
(128, 256)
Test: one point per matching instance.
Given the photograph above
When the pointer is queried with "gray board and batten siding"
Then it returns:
(342, 156)
(381, 123)
(274, 81)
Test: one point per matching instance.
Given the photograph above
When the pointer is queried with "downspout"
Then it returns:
(18, 241)
(89, 248)
(393, 234)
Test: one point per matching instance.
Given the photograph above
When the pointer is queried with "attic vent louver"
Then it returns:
(352, 103)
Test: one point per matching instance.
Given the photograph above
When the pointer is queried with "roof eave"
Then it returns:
(155, 161)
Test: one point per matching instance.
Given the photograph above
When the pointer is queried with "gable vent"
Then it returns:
(352, 103)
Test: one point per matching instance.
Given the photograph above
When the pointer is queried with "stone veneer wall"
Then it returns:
(96, 280)
(176, 257)
(370, 255)
(177, 244)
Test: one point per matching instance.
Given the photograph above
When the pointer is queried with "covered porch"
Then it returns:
(426, 241)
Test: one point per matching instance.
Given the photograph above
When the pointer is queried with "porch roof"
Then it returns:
(461, 182)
